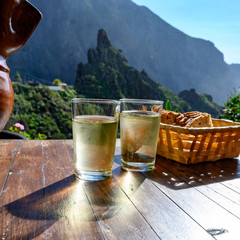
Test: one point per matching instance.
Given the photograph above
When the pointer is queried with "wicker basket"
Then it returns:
(194, 145)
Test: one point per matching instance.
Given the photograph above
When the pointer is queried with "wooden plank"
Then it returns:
(22, 216)
(225, 171)
(114, 212)
(223, 196)
(163, 215)
(231, 169)
(160, 212)
(202, 209)
(8, 150)
(208, 177)
(42, 200)
(234, 184)
(68, 212)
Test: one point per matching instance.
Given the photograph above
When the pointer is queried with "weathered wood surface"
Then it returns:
(40, 199)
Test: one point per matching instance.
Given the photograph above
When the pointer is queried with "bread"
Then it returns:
(200, 121)
(169, 117)
(194, 119)
(189, 119)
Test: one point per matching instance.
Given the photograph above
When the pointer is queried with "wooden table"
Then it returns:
(40, 199)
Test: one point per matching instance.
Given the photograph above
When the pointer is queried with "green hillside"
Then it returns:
(109, 75)
(43, 112)
(201, 102)
(46, 113)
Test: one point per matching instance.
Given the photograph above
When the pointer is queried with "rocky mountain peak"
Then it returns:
(103, 40)
(109, 75)
(170, 57)
(201, 102)
(105, 52)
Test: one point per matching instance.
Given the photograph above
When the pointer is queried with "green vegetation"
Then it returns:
(40, 113)
(45, 114)
(18, 78)
(56, 82)
(168, 106)
(232, 111)
(201, 102)
(108, 75)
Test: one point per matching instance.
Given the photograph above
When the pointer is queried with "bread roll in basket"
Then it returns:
(190, 145)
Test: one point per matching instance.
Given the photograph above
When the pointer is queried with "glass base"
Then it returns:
(92, 176)
(137, 167)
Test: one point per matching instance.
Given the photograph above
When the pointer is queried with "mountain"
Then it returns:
(107, 74)
(170, 57)
(201, 102)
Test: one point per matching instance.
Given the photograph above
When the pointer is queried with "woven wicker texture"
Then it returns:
(194, 145)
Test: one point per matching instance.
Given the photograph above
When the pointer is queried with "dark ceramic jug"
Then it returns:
(18, 19)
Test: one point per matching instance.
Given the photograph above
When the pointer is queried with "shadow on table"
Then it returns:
(69, 202)
(179, 176)
(29, 214)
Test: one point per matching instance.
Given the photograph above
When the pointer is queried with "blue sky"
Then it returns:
(215, 20)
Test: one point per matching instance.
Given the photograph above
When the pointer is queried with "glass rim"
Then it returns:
(146, 101)
(93, 100)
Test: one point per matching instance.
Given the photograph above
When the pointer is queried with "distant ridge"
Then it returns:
(169, 56)
(107, 74)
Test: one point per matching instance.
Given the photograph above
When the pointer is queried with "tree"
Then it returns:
(56, 82)
(18, 77)
(168, 106)
(232, 109)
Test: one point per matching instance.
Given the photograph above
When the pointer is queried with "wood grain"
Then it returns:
(209, 179)
(115, 213)
(204, 210)
(22, 196)
(159, 210)
(40, 198)
(65, 201)
(8, 150)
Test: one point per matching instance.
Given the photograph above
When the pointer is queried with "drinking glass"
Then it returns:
(95, 124)
(139, 130)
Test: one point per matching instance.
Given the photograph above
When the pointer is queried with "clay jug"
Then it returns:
(18, 19)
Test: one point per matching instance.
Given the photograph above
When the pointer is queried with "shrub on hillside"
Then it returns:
(232, 109)
(42, 111)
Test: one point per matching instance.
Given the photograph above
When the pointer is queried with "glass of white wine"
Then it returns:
(139, 130)
(95, 124)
